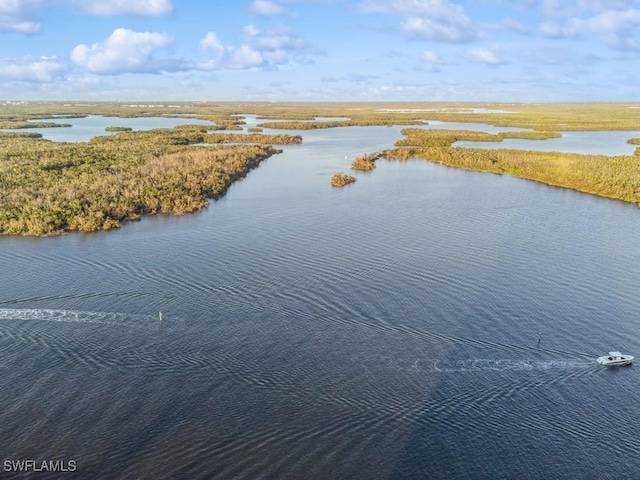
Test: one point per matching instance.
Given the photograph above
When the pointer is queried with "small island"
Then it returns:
(365, 162)
(342, 179)
(118, 129)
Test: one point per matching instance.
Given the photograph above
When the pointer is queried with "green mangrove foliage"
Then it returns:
(342, 179)
(365, 162)
(613, 177)
(47, 188)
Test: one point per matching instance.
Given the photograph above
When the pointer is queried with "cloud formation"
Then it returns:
(21, 16)
(437, 20)
(267, 8)
(146, 8)
(266, 49)
(483, 55)
(28, 69)
(616, 27)
(18, 16)
(126, 51)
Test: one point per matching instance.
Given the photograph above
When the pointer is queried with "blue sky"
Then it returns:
(320, 50)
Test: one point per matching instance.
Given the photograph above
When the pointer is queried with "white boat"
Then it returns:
(615, 359)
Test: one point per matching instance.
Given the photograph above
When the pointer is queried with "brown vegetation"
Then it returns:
(365, 162)
(47, 188)
(342, 179)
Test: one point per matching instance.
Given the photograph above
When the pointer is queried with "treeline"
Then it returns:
(48, 188)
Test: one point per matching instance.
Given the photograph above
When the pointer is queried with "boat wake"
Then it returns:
(483, 365)
(102, 318)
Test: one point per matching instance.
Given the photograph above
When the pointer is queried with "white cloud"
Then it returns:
(276, 38)
(440, 30)
(126, 51)
(267, 8)
(266, 49)
(151, 8)
(483, 55)
(43, 69)
(615, 22)
(212, 43)
(616, 27)
(439, 20)
(21, 16)
(8, 24)
(245, 57)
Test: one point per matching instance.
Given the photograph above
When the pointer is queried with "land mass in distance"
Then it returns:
(49, 188)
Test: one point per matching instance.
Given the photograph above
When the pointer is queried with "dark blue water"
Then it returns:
(424, 322)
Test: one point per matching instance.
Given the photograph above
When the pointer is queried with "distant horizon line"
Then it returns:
(167, 103)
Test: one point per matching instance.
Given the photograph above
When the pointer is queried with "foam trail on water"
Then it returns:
(102, 318)
(482, 365)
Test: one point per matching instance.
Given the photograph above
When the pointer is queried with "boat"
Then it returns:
(615, 359)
